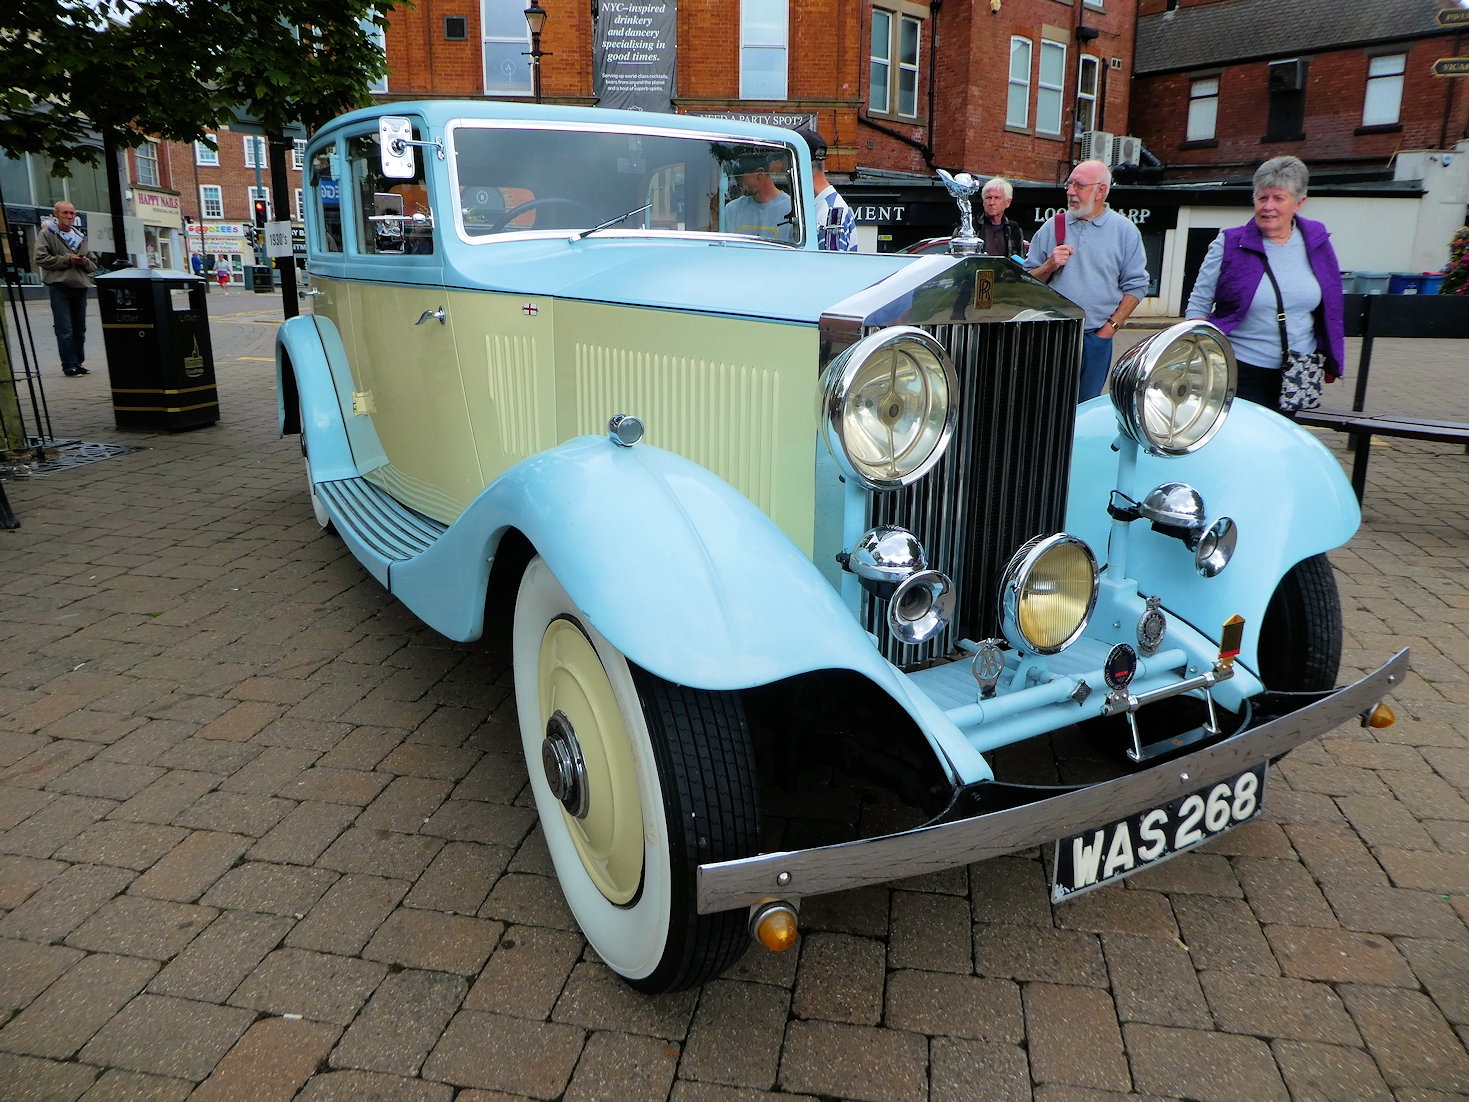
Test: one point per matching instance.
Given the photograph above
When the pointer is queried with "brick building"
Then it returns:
(1220, 85)
(216, 191)
(896, 88)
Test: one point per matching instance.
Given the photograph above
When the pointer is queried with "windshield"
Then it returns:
(514, 180)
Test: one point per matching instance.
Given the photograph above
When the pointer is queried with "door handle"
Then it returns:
(307, 294)
(427, 314)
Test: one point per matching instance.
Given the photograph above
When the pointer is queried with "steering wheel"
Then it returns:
(536, 204)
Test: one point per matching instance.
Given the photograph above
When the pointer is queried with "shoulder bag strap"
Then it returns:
(1060, 224)
(1279, 307)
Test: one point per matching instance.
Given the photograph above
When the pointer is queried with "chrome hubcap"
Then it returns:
(566, 769)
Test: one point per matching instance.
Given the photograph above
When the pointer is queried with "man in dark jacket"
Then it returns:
(1000, 235)
(66, 269)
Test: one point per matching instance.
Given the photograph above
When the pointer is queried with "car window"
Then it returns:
(326, 200)
(393, 215)
(515, 180)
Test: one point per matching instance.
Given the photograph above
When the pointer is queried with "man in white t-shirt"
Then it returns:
(762, 210)
(836, 223)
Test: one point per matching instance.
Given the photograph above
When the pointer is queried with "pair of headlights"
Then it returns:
(890, 401)
(889, 406)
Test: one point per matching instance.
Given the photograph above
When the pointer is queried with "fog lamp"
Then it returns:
(773, 923)
(1048, 593)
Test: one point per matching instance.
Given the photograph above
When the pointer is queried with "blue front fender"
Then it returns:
(310, 346)
(1283, 488)
(677, 569)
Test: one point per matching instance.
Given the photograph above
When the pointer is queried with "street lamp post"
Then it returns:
(535, 19)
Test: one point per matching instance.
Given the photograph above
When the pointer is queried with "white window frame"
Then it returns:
(259, 193)
(517, 43)
(1384, 87)
(881, 62)
(906, 67)
(765, 35)
(1203, 109)
(256, 154)
(203, 155)
(211, 196)
(298, 212)
(298, 154)
(379, 36)
(1019, 82)
(1050, 124)
(145, 157)
(1087, 102)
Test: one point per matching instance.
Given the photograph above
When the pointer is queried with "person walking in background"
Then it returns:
(837, 225)
(1235, 292)
(66, 270)
(1094, 256)
(1001, 236)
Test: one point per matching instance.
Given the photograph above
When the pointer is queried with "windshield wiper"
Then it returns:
(612, 222)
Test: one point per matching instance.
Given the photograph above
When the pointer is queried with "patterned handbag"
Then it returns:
(1302, 374)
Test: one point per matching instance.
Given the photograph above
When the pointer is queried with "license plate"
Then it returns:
(1103, 854)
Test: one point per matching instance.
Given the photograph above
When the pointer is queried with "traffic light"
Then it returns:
(260, 214)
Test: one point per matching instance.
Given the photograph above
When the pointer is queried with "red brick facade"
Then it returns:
(828, 69)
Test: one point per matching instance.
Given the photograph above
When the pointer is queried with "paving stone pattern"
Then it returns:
(264, 836)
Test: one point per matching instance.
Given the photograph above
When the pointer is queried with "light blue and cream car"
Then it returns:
(814, 573)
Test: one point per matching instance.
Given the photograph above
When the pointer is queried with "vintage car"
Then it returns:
(814, 573)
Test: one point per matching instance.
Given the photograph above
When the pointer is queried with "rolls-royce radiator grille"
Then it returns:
(1004, 477)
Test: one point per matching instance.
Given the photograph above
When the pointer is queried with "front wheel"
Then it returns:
(1301, 635)
(637, 782)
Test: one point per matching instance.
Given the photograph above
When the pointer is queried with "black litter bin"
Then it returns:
(159, 361)
(260, 279)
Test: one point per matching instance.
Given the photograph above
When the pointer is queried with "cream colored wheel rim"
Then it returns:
(609, 839)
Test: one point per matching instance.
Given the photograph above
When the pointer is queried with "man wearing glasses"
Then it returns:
(1097, 262)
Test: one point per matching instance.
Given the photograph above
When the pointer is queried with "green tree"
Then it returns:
(175, 69)
(1456, 275)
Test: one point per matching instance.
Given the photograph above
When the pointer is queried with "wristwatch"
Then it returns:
(1116, 325)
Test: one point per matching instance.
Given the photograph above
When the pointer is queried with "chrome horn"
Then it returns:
(922, 607)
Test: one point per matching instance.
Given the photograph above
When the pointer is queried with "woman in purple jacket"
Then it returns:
(1234, 293)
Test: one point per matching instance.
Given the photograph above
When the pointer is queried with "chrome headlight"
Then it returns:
(1173, 390)
(1048, 594)
(889, 404)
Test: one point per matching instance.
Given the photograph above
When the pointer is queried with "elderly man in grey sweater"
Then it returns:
(66, 269)
(1100, 266)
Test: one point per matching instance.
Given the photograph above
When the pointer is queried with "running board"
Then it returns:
(391, 531)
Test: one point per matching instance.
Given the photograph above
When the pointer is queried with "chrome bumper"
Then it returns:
(794, 874)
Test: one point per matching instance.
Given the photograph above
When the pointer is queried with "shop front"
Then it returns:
(220, 247)
(162, 219)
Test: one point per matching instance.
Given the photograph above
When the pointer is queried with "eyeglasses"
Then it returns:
(1079, 186)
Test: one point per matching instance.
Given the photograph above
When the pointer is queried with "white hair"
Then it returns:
(999, 182)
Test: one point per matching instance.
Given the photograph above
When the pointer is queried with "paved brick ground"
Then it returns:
(262, 836)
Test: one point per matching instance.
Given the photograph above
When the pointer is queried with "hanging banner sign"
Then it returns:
(635, 54)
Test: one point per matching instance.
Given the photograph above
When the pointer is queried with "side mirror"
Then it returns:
(395, 140)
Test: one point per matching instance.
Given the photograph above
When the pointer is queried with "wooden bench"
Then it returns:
(1372, 316)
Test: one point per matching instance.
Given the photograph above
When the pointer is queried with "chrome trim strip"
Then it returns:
(729, 884)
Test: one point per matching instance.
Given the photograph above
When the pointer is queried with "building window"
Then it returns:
(298, 212)
(203, 155)
(211, 201)
(1017, 100)
(261, 193)
(894, 63)
(506, 48)
(1384, 98)
(298, 154)
(1050, 85)
(1088, 80)
(255, 156)
(376, 34)
(1203, 109)
(764, 45)
(145, 160)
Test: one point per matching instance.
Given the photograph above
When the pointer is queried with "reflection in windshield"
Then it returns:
(518, 180)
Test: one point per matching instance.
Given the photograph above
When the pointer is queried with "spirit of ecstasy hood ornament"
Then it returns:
(965, 241)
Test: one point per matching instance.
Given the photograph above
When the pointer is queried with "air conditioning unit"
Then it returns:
(1126, 151)
(1096, 145)
(1287, 76)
